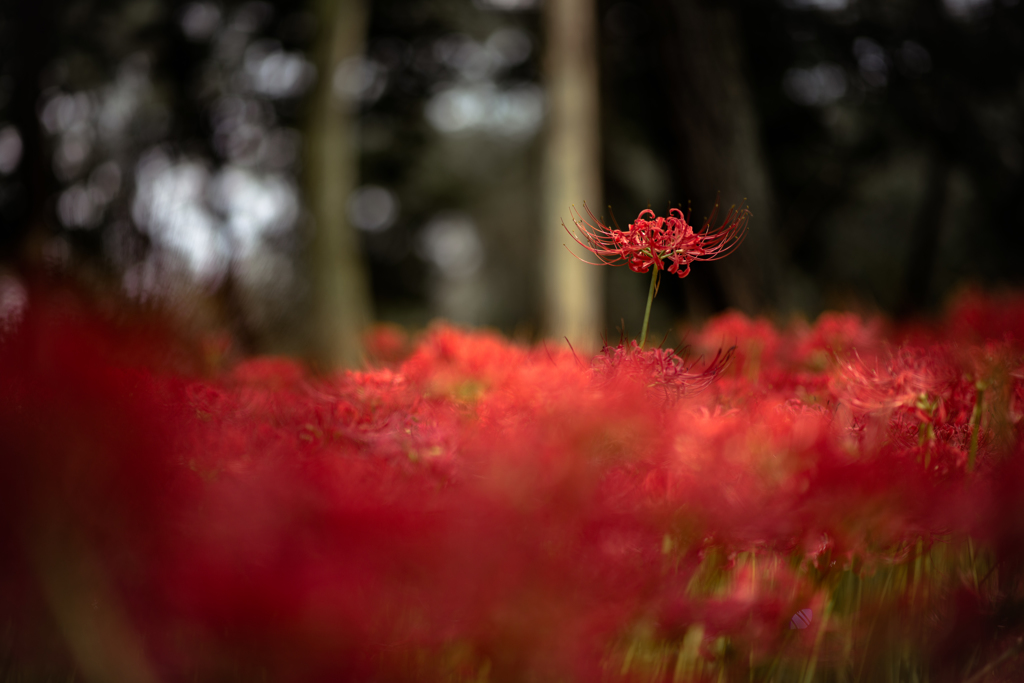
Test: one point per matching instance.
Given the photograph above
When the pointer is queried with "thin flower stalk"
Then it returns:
(647, 311)
(664, 243)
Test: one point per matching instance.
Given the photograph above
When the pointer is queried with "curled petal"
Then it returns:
(651, 240)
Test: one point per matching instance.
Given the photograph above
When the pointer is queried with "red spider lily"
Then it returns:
(660, 369)
(906, 380)
(651, 240)
(482, 509)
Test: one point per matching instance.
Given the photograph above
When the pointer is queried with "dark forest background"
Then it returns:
(288, 171)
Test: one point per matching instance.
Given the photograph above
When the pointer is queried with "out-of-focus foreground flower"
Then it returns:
(475, 510)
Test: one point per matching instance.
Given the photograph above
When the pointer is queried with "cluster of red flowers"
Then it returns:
(841, 500)
(651, 240)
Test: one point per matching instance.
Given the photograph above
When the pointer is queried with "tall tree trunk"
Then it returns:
(719, 149)
(572, 169)
(339, 300)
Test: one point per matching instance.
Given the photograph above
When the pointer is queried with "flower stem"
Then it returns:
(974, 568)
(647, 311)
(979, 406)
(812, 665)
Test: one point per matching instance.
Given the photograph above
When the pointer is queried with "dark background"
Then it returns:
(154, 151)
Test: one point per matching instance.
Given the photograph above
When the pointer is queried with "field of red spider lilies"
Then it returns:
(837, 501)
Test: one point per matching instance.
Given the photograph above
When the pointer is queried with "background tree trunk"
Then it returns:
(339, 296)
(572, 169)
(719, 149)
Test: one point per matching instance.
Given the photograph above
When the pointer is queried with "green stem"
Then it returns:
(1011, 651)
(979, 406)
(812, 665)
(974, 569)
(647, 311)
(871, 628)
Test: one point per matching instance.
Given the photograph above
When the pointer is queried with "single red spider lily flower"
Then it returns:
(660, 369)
(652, 240)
